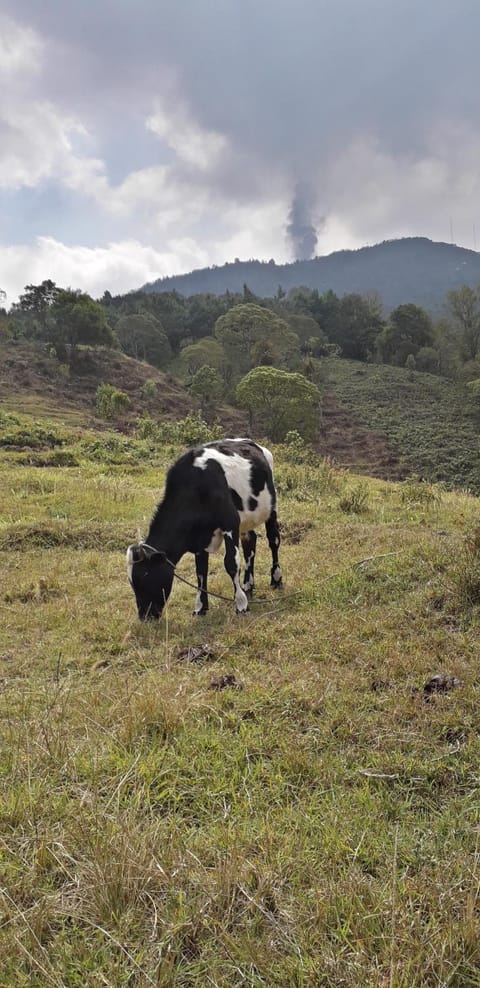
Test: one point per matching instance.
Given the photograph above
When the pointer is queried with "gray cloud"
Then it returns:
(370, 105)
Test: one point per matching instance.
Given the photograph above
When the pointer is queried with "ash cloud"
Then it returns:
(301, 231)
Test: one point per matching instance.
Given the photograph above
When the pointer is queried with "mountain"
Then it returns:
(413, 269)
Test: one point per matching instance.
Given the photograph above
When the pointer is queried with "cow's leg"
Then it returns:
(249, 544)
(201, 600)
(273, 535)
(232, 566)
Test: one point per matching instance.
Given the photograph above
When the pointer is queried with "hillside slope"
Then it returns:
(375, 420)
(413, 269)
(385, 421)
(32, 381)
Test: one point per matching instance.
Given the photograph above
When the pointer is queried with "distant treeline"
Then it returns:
(212, 342)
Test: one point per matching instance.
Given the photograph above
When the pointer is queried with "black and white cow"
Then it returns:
(215, 493)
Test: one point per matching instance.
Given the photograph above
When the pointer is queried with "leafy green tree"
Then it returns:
(248, 332)
(202, 314)
(409, 329)
(278, 402)
(464, 305)
(207, 385)
(354, 324)
(30, 314)
(207, 351)
(74, 319)
(142, 336)
(427, 360)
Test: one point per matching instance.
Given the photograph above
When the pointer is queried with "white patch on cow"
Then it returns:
(249, 583)
(241, 601)
(198, 599)
(277, 574)
(237, 470)
(130, 563)
(216, 541)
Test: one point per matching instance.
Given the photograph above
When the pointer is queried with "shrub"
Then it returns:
(355, 501)
(109, 401)
(417, 491)
(149, 389)
(466, 575)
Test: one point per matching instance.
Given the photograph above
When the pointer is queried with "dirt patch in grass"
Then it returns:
(293, 532)
(196, 654)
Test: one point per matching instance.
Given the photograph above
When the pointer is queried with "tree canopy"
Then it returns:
(251, 334)
(279, 401)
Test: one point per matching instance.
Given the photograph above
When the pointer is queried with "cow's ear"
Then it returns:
(150, 553)
(158, 557)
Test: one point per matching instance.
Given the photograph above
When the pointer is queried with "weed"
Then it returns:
(355, 501)
(419, 492)
(466, 574)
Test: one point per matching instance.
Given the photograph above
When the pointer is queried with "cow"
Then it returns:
(217, 492)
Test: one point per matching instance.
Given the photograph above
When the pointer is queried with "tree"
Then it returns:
(142, 336)
(207, 385)
(31, 311)
(409, 329)
(202, 314)
(248, 331)
(196, 355)
(353, 324)
(411, 365)
(279, 401)
(74, 319)
(464, 305)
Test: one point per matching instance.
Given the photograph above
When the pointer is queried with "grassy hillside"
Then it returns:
(429, 425)
(31, 381)
(315, 824)
(412, 269)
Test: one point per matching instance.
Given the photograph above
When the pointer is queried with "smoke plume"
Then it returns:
(300, 229)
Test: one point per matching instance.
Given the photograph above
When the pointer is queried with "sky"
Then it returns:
(148, 138)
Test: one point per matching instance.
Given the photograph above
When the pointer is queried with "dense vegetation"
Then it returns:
(412, 269)
(293, 809)
(417, 383)
(433, 424)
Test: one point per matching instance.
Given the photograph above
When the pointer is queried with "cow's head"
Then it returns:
(151, 577)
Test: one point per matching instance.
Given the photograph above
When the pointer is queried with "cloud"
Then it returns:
(372, 106)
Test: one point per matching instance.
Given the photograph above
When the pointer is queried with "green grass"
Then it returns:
(431, 422)
(318, 825)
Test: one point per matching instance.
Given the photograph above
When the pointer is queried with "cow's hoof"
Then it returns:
(202, 613)
(276, 586)
(242, 613)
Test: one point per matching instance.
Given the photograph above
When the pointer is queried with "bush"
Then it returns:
(185, 432)
(149, 390)
(355, 501)
(109, 401)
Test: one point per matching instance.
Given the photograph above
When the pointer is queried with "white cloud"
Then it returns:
(20, 50)
(119, 267)
(192, 144)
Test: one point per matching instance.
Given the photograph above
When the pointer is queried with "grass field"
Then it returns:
(316, 824)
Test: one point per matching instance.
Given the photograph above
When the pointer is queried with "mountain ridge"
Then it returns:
(410, 269)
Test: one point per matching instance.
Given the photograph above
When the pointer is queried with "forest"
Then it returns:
(264, 355)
